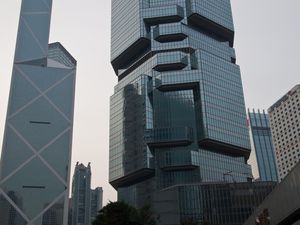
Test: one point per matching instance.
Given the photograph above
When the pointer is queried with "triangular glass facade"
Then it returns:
(34, 179)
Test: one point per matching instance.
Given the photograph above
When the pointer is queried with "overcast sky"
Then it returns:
(267, 44)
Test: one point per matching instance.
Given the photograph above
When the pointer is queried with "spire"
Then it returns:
(33, 33)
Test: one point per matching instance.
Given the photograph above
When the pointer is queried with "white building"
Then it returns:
(285, 127)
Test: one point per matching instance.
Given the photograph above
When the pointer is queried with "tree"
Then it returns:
(119, 213)
(146, 216)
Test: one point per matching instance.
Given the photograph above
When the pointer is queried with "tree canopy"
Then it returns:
(119, 213)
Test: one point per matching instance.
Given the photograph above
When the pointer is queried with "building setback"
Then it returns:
(285, 120)
(34, 169)
(177, 115)
(263, 145)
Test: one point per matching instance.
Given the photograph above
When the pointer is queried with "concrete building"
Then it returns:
(177, 115)
(285, 120)
(263, 145)
(36, 153)
(282, 205)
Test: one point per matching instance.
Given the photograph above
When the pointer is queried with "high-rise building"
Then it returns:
(285, 120)
(86, 202)
(96, 202)
(34, 177)
(177, 115)
(81, 195)
(263, 145)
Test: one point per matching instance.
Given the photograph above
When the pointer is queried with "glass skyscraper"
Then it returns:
(81, 195)
(34, 170)
(86, 202)
(177, 115)
(96, 202)
(263, 144)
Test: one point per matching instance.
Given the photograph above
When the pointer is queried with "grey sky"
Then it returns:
(267, 46)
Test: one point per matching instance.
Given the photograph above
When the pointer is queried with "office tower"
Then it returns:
(263, 145)
(177, 115)
(34, 179)
(285, 119)
(86, 202)
(96, 202)
(81, 195)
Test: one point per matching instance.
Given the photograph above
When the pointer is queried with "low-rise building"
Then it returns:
(282, 205)
(217, 203)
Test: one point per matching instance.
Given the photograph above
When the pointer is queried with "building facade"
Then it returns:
(34, 173)
(81, 195)
(263, 145)
(86, 202)
(96, 202)
(177, 115)
(285, 120)
(216, 203)
(281, 207)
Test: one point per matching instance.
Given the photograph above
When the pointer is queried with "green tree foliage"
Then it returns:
(119, 213)
(146, 216)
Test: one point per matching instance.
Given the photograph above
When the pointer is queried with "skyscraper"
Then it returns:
(177, 115)
(81, 195)
(86, 202)
(263, 145)
(96, 202)
(285, 119)
(34, 178)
